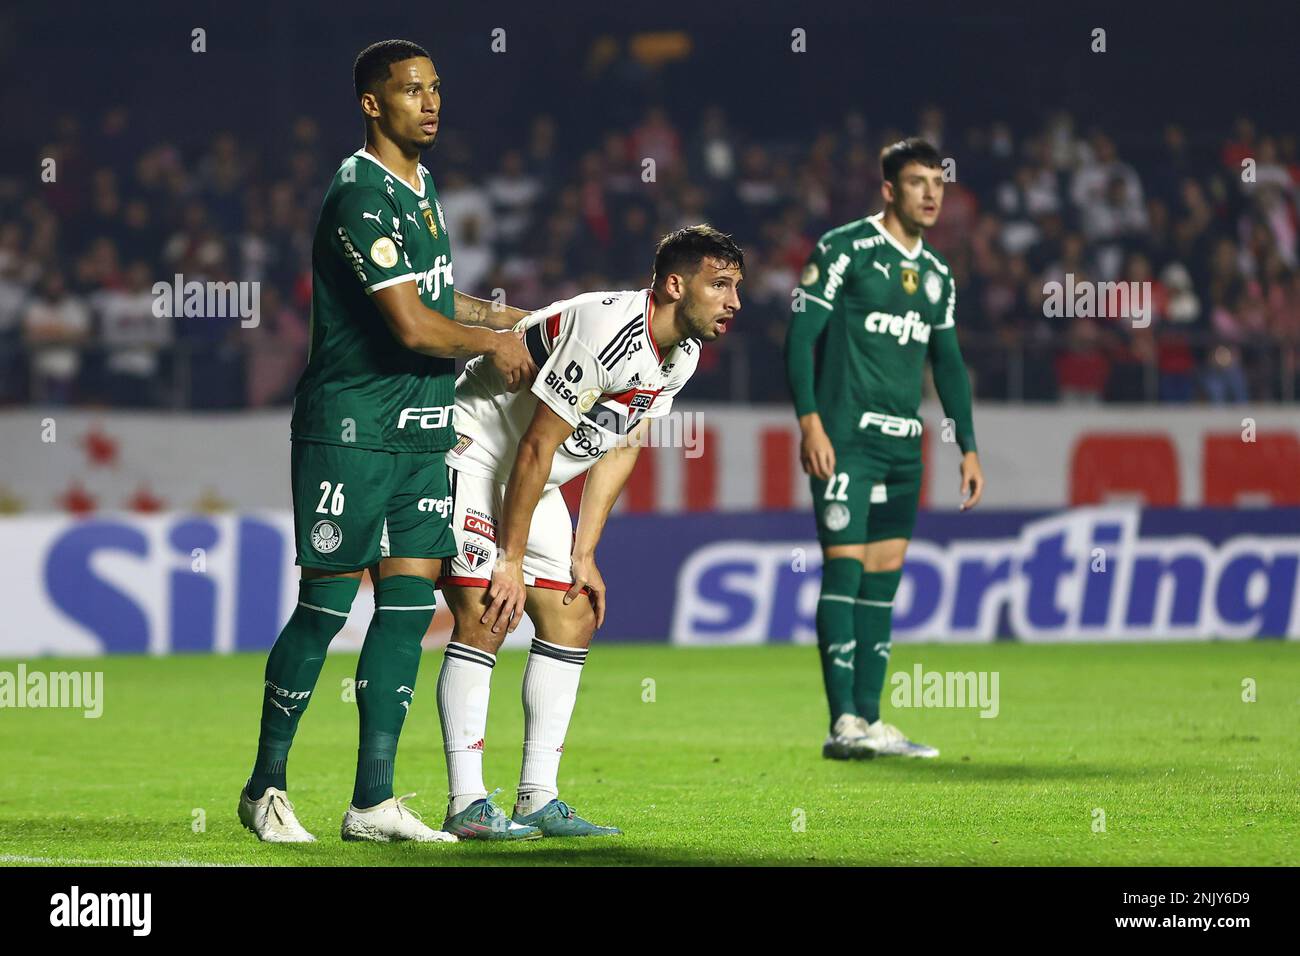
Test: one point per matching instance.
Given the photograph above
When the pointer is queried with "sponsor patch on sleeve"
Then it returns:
(384, 252)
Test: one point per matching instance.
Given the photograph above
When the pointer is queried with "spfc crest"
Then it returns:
(911, 278)
(638, 405)
(430, 222)
(476, 555)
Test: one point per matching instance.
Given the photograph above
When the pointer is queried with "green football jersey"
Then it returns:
(361, 386)
(878, 306)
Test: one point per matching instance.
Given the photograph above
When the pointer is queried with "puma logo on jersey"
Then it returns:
(412, 218)
(377, 216)
(883, 267)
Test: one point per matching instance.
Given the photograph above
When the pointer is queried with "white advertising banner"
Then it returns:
(700, 458)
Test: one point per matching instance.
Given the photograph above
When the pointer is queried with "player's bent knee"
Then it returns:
(856, 551)
(323, 606)
(407, 603)
(467, 608)
(885, 555)
(572, 624)
(881, 565)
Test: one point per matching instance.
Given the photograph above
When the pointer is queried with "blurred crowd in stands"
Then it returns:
(1207, 216)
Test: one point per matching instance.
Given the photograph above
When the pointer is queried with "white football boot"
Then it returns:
(390, 821)
(888, 741)
(271, 818)
(848, 740)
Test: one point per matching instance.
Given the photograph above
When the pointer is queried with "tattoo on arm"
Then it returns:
(472, 311)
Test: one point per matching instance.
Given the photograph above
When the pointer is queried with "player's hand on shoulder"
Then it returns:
(587, 575)
(512, 360)
(506, 595)
(972, 480)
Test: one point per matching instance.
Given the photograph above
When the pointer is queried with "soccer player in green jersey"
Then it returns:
(876, 302)
(372, 419)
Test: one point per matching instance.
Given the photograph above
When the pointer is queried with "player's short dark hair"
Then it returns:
(686, 249)
(911, 150)
(371, 67)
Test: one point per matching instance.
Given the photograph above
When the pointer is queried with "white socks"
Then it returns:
(463, 689)
(550, 691)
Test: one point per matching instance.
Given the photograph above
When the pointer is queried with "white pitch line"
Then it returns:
(58, 861)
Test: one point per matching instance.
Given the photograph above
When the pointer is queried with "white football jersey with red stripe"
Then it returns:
(598, 369)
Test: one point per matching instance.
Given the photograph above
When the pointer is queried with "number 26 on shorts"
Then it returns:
(330, 504)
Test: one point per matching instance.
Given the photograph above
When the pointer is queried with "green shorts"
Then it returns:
(873, 495)
(353, 506)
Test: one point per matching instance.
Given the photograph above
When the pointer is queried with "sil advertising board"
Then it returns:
(177, 583)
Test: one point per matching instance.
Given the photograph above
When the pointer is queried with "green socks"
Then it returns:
(835, 632)
(872, 617)
(292, 668)
(386, 672)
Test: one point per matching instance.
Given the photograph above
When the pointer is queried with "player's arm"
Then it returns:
(485, 314)
(536, 452)
(368, 237)
(425, 330)
(952, 383)
(816, 453)
(605, 482)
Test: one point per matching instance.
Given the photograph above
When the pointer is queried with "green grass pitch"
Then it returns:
(721, 767)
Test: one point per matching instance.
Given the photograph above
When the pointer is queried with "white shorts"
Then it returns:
(475, 512)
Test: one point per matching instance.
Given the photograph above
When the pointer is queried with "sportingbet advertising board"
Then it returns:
(160, 584)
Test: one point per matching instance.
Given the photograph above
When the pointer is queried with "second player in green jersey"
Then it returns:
(875, 302)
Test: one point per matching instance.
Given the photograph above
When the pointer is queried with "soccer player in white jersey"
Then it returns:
(608, 363)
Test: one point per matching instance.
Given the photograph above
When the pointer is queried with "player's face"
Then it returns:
(411, 103)
(711, 299)
(918, 196)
